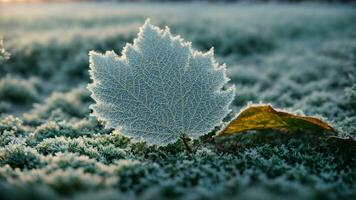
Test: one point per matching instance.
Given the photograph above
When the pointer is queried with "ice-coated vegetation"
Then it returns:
(292, 56)
(4, 55)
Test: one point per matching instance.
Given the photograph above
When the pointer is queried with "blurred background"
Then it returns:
(294, 55)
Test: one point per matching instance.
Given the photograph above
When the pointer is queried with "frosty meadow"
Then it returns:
(298, 57)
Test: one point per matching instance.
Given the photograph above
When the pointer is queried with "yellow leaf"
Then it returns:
(264, 117)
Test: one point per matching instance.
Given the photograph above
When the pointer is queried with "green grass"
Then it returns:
(300, 58)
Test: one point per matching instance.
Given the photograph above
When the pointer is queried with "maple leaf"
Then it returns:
(159, 89)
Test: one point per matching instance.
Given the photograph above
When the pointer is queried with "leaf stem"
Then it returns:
(186, 143)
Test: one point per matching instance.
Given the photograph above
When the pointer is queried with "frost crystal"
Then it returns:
(4, 55)
(159, 89)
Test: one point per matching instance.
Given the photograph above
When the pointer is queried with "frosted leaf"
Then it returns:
(159, 89)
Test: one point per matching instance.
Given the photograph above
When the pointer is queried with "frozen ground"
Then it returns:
(296, 57)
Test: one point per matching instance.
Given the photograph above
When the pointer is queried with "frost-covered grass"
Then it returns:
(296, 57)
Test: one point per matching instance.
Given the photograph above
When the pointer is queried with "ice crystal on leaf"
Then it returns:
(159, 89)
